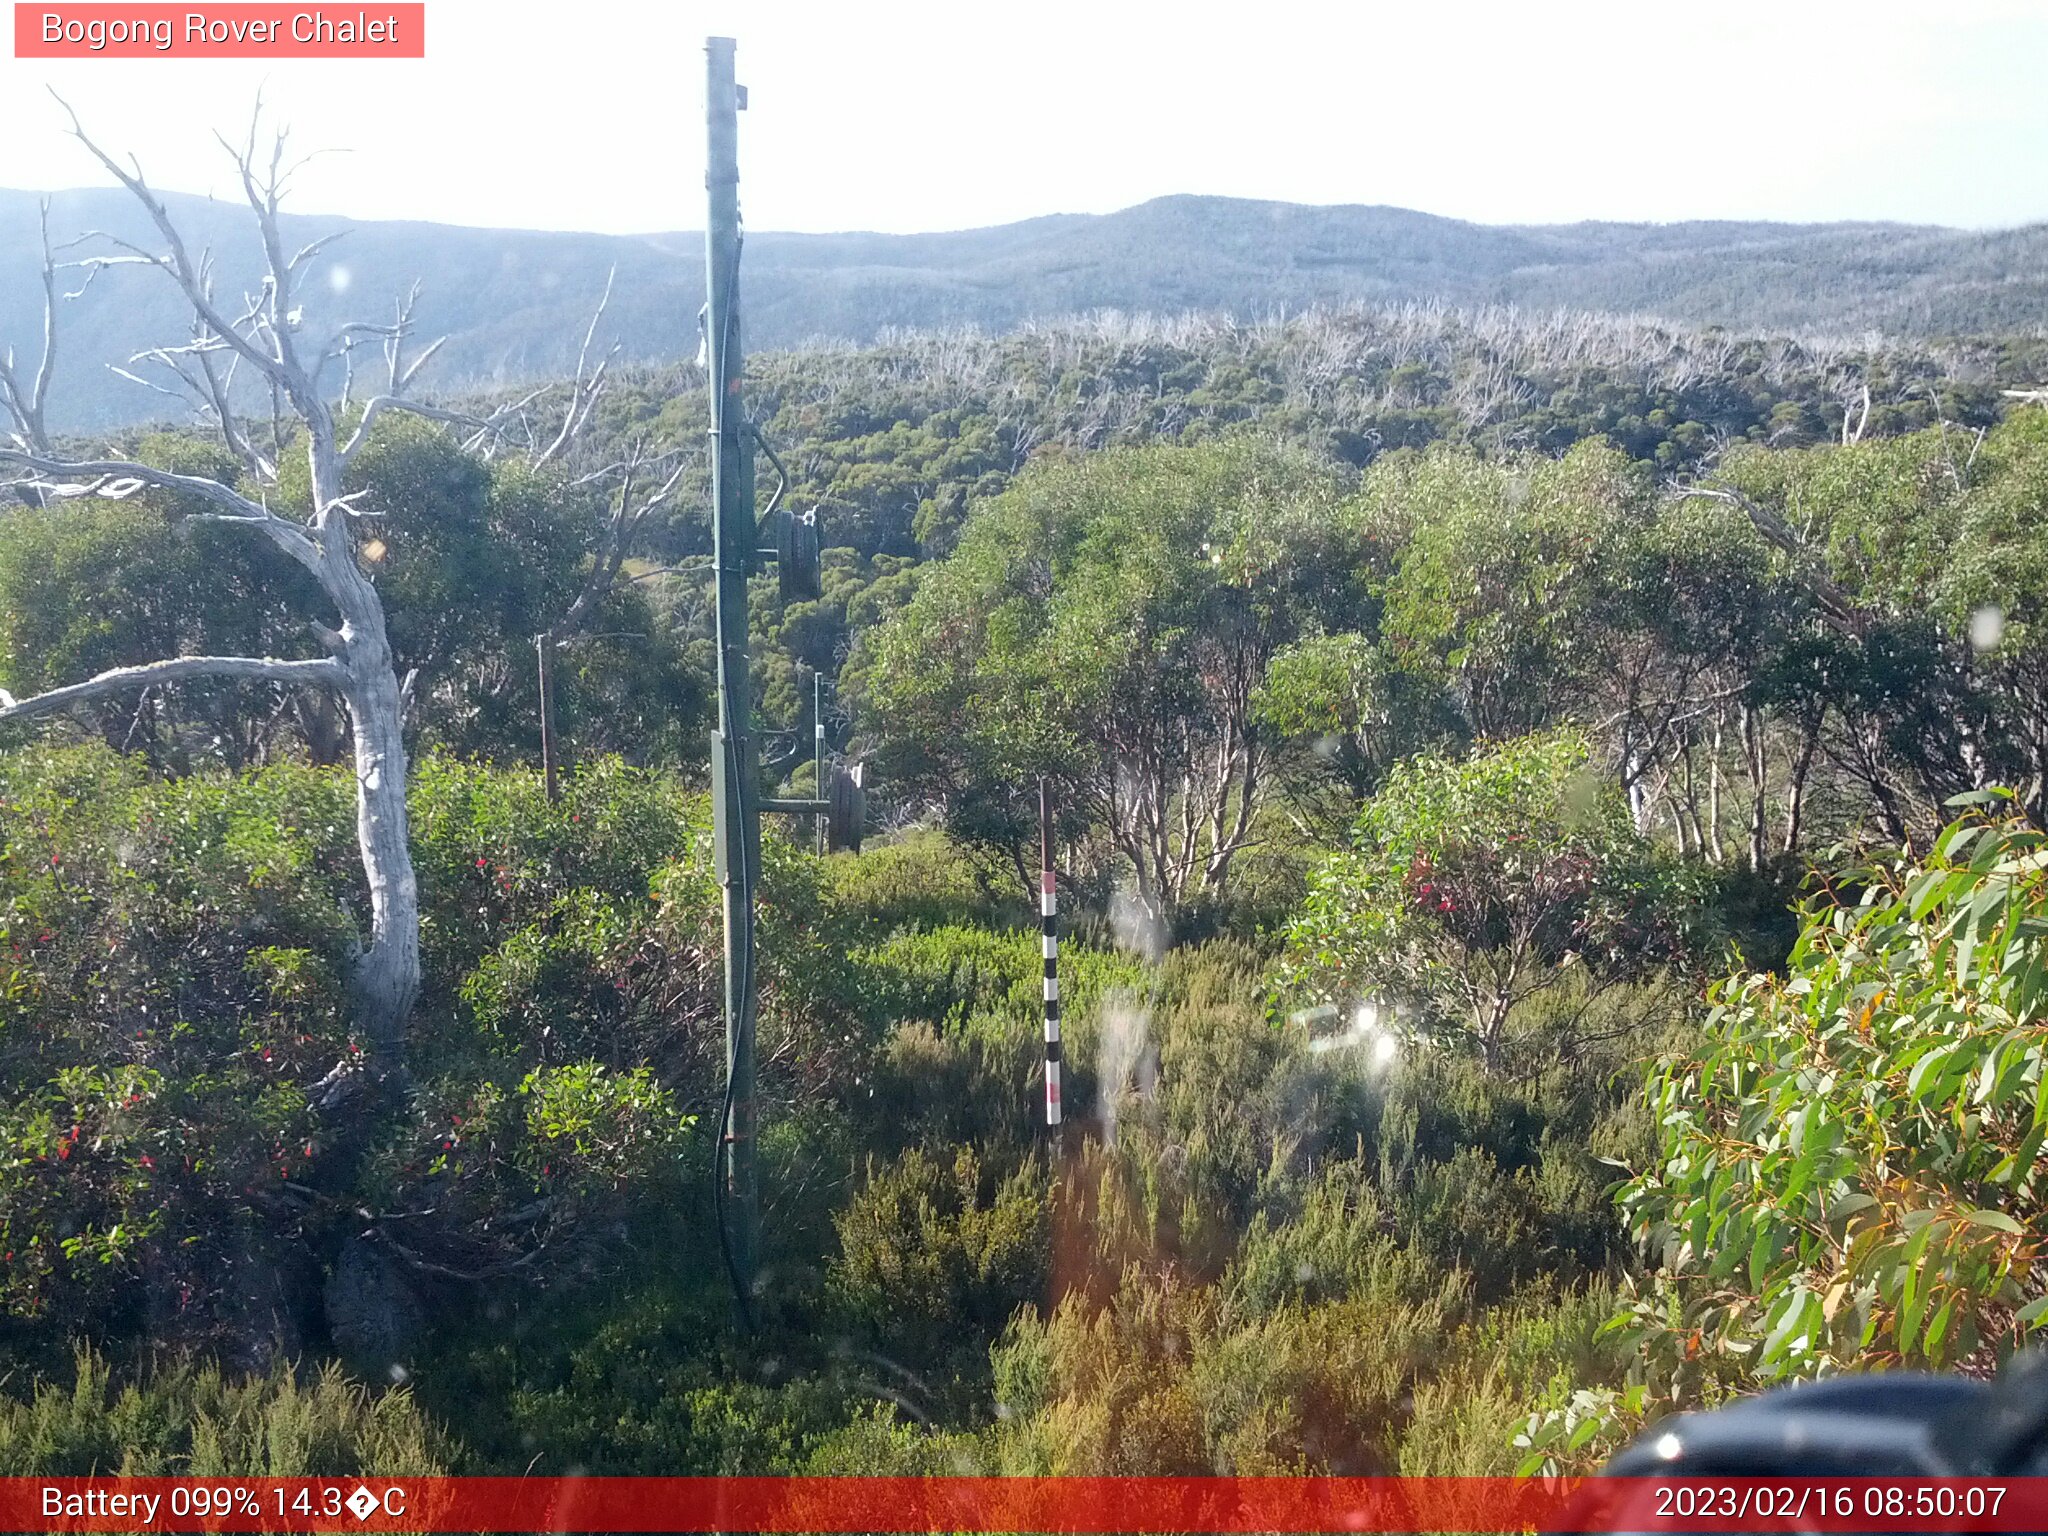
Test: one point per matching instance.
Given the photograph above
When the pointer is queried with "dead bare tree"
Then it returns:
(1853, 435)
(26, 398)
(629, 509)
(262, 334)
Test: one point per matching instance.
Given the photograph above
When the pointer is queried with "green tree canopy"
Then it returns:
(1108, 622)
(1502, 573)
(1928, 557)
(485, 557)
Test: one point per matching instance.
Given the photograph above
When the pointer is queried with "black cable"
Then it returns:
(743, 1030)
(743, 1026)
(781, 474)
(732, 1269)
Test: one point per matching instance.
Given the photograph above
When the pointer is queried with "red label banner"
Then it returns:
(1089, 1505)
(379, 30)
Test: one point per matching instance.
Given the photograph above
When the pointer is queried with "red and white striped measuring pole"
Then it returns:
(1048, 917)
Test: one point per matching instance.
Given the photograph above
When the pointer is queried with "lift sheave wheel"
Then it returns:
(846, 809)
(797, 559)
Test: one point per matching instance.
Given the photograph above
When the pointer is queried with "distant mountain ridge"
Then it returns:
(514, 302)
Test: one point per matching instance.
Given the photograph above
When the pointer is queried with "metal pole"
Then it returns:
(736, 815)
(818, 751)
(1048, 916)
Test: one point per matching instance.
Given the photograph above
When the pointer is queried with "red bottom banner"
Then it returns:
(1023, 1504)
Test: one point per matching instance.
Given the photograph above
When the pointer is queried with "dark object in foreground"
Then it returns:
(1887, 1424)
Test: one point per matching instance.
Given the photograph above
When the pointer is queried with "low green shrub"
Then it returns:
(184, 1418)
(920, 879)
(936, 1254)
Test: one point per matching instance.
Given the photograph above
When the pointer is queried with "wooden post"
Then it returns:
(544, 660)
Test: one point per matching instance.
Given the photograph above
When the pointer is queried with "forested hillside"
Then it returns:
(513, 302)
(1471, 734)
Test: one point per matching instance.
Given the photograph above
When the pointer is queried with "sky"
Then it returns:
(900, 116)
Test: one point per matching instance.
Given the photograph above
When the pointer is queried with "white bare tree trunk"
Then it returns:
(386, 980)
(262, 336)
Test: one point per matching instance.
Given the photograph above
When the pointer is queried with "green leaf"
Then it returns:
(1997, 1220)
(1938, 1329)
(1850, 1204)
(1760, 1256)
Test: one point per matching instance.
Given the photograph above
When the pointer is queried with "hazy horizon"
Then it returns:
(301, 210)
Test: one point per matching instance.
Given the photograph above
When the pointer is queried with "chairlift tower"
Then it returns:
(740, 545)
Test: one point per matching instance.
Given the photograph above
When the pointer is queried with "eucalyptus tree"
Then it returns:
(1923, 564)
(1500, 575)
(1107, 623)
(1848, 1160)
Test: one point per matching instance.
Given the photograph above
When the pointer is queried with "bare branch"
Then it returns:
(313, 248)
(116, 478)
(378, 405)
(218, 395)
(695, 564)
(590, 331)
(39, 394)
(412, 369)
(136, 378)
(255, 668)
(179, 263)
(588, 385)
(1850, 437)
(1832, 600)
(449, 1272)
(395, 372)
(101, 475)
(627, 516)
